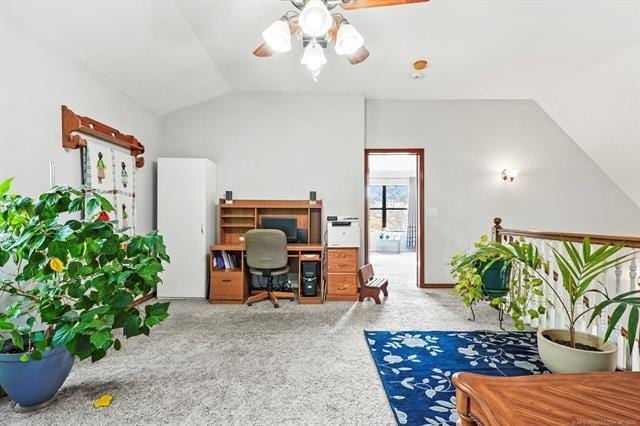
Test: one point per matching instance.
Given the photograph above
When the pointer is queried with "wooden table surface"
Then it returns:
(549, 399)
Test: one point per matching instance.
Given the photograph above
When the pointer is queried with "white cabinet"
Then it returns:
(186, 206)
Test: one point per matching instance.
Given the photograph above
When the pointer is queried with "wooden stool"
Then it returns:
(370, 286)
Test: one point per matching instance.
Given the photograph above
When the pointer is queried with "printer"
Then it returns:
(343, 231)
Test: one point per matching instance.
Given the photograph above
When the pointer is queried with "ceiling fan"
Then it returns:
(317, 26)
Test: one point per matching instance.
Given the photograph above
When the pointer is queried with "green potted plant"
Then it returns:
(481, 277)
(70, 284)
(568, 350)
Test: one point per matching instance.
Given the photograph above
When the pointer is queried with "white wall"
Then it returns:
(277, 146)
(35, 80)
(270, 145)
(600, 110)
(466, 145)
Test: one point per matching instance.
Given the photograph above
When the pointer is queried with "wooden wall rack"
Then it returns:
(72, 122)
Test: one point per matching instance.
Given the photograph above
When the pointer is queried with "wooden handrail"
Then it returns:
(499, 232)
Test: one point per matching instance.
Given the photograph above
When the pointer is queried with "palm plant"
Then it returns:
(579, 267)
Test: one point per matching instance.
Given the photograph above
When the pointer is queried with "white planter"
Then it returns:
(563, 359)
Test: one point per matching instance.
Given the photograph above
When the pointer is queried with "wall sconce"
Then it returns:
(509, 175)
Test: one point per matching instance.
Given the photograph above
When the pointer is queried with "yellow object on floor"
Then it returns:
(103, 401)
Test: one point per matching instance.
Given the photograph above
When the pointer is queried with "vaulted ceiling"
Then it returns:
(172, 54)
(169, 55)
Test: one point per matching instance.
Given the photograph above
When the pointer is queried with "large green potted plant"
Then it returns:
(69, 284)
(566, 349)
(480, 276)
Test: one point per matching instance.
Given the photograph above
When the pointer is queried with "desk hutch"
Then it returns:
(235, 219)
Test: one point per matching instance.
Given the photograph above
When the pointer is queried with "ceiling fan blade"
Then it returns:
(363, 4)
(263, 51)
(358, 56)
(333, 31)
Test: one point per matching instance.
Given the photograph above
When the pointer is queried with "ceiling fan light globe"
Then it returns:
(313, 56)
(315, 19)
(349, 40)
(278, 36)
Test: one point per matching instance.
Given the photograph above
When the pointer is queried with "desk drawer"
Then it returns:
(342, 260)
(342, 284)
(227, 286)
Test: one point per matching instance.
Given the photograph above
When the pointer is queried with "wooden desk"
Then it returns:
(234, 286)
(550, 399)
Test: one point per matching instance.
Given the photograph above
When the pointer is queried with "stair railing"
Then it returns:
(619, 280)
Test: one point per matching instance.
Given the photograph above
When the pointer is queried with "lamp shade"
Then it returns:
(313, 56)
(278, 36)
(349, 40)
(315, 19)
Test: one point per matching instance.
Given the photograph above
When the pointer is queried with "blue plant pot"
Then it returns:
(34, 382)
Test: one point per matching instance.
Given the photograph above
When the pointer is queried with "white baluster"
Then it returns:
(540, 300)
(561, 319)
(601, 322)
(532, 322)
(580, 324)
(550, 315)
(632, 363)
(616, 336)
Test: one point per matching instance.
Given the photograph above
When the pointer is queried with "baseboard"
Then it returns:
(438, 285)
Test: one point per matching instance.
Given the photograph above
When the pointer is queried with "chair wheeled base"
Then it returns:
(260, 295)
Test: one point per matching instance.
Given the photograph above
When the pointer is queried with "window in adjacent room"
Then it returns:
(388, 206)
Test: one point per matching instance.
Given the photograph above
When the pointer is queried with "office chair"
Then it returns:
(267, 257)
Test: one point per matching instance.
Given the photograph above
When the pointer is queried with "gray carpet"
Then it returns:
(398, 268)
(233, 364)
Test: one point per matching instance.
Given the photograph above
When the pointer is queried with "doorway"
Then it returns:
(394, 213)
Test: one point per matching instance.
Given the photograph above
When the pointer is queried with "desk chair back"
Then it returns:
(266, 248)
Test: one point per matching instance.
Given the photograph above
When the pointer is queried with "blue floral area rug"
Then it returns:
(416, 367)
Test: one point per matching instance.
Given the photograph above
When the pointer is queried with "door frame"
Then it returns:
(419, 152)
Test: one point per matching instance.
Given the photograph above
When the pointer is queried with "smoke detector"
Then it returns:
(418, 69)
